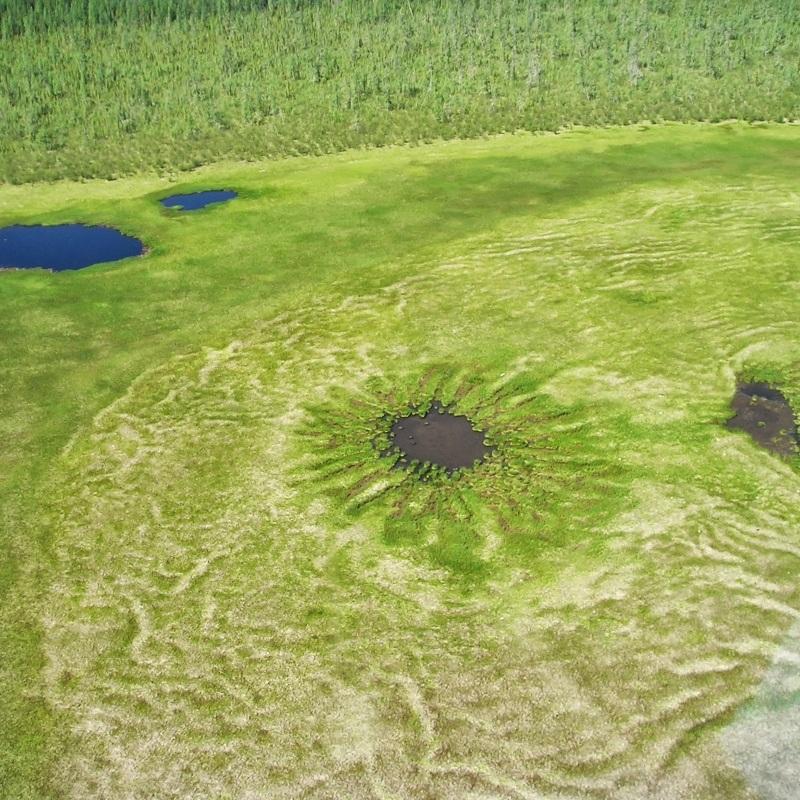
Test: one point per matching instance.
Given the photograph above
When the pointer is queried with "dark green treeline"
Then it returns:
(104, 88)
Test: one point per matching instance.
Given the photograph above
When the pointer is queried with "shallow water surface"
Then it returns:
(63, 247)
(765, 414)
(440, 437)
(197, 200)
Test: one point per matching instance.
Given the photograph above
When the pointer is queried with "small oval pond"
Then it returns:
(765, 414)
(198, 200)
(63, 247)
(438, 437)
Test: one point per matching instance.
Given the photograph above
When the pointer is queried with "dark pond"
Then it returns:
(765, 414)
(197, 200)
(439, 437)
(62, 247)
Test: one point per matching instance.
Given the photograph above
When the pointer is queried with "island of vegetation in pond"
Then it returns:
(63, 247)
(194, 201)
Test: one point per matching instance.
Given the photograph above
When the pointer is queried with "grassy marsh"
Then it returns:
(215, 579)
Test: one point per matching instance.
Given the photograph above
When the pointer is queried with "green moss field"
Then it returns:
(214, 584)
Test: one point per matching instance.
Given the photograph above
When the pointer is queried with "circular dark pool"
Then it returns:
(197, 200)
(63, 247)
(438, 437)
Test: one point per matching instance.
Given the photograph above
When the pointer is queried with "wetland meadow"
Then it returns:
(462, 467)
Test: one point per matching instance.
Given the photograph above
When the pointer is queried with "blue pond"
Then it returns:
(197, 200)
(63, 247)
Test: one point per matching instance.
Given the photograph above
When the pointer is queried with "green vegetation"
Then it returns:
(109, 88)
(17, 16)
(213, 586)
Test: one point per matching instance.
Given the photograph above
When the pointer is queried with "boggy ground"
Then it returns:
(766, 416)
(435, 438)
(218, 588)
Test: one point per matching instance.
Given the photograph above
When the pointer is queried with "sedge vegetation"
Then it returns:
(215, 586)
(100, 89)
